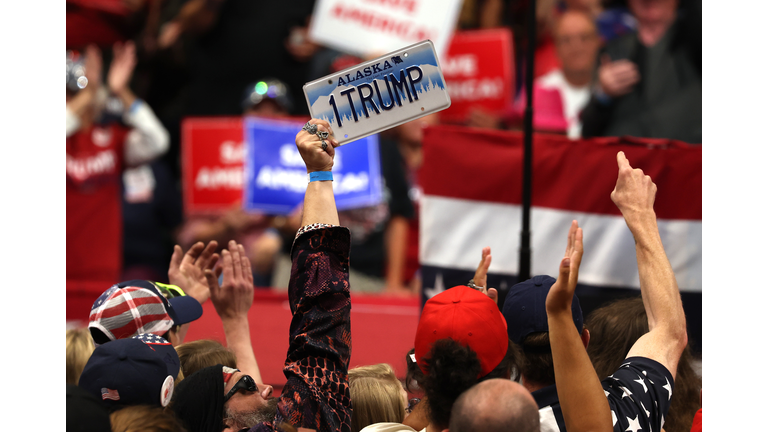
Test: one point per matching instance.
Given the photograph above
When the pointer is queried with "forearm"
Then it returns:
(237, 332)
(658, 285)
(581, 396)
(148, 139)
(320, 204)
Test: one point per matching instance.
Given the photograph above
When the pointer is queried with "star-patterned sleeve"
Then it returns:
(639, 394)
(316, 395)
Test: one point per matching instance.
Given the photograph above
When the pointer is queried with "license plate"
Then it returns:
(380, 94)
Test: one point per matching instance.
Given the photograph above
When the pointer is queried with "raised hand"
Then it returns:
(121, 69)
(311, 147)
(235, 295)
(634, 193)
(481, 275)
(187, 271)
(93, 66)
(561, 294)
(617, 77)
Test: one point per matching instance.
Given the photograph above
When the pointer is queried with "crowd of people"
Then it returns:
(602, 68)
(477, 365)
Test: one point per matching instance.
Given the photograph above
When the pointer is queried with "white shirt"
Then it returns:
(574, 99)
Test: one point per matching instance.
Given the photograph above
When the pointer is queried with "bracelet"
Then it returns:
(320, 176)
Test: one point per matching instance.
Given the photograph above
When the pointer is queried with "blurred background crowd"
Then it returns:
(137, 68)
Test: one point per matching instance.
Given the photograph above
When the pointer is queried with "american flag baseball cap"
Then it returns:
(164, 349)
(137, 306)
(129, 372)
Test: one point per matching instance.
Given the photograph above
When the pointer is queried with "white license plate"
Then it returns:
(380, 94)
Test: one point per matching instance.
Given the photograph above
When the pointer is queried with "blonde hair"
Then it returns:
(201, 353)
(79, 348)
(376, 396)
(141, 418)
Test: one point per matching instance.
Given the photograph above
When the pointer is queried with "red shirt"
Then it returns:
(94, 219)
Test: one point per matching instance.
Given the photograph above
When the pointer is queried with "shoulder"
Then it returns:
(552, 79)
(639, 393)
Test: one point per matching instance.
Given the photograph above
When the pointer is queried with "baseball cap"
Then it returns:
(525, 308)
(468, 317)
(130, 372)
(138, 306)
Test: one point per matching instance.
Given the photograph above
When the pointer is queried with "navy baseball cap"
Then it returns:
(130, 372)
(525, 308)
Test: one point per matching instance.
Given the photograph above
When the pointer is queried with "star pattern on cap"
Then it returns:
(150, 338)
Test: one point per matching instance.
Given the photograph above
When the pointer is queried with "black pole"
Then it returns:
(525, 234)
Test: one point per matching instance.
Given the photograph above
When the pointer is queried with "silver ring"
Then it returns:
(322, 134)
(310, 128)
(325, 145)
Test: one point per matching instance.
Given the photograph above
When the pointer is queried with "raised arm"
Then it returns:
(319, 203)
(581, 396)
(232, 301)
(634, 195)
(316, 395)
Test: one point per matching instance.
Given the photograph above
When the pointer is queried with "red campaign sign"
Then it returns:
(479, 72)
(212, 151)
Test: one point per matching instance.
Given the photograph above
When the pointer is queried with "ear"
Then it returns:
(585, 338)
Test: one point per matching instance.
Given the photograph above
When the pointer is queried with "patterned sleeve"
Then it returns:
(316, 395)
(639, 394)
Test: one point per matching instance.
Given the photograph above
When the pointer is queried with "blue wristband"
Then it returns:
(320, 176)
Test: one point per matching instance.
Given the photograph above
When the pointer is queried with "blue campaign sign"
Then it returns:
(276, 178)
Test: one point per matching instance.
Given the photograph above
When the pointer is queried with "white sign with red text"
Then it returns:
(370, 28)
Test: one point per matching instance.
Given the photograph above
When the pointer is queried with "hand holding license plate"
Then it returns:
(380, 94)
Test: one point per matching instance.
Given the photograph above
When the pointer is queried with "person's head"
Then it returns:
(134, 371)
(614, 328)
(653, 13)
(144, 418)
(377, 396)
(79, 349)
(202, 353)
(577, 43)
(495, 405)
(138, 306)
(268, 97)
(219, 396)
(525, 311)
(85, 413)
(461, 339)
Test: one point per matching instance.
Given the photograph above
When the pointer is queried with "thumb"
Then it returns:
(493, 294)
(565, 269)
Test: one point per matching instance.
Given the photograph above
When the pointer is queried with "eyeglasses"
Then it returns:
(412, 404)
(245, 383)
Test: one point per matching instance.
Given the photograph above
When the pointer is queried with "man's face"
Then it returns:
(245, 408)
(577, 42)
(651, 13)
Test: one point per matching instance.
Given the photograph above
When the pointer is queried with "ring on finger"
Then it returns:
(322, 134)
(310, 128)
(325, 145)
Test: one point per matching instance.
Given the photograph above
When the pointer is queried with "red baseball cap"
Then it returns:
(468, 317)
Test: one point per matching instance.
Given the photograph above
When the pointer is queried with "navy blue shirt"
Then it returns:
(638, 393)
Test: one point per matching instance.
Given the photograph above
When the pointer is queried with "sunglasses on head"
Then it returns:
(170, 291)
(245, 383)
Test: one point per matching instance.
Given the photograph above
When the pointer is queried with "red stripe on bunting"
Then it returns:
(477, 164)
